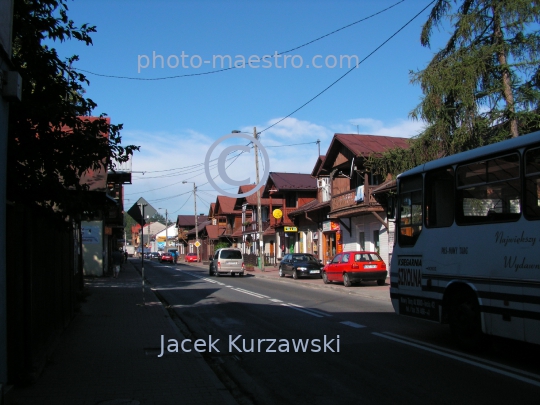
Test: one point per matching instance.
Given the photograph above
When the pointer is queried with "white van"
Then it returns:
(227, 261)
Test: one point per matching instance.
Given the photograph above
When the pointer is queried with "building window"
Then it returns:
(376, 240)
(290, 200)
(362, 240)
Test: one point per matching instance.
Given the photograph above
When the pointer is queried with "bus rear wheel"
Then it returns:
(464, 320)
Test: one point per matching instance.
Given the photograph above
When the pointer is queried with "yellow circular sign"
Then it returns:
(277, 214)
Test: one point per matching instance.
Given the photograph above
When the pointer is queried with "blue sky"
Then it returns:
(175, 121)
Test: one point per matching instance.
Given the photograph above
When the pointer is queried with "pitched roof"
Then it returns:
(225, 205)
(213, 231)
(319, 166)
(185, 221)
(293, 181)
(365, 145)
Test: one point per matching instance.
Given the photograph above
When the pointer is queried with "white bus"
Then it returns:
(467, 245)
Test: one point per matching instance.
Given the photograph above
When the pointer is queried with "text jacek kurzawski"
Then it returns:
(235, 344)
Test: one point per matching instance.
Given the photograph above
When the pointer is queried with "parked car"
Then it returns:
(190, 257)
(227, 261)
(166, 257)
(300, 264)
(354, 267)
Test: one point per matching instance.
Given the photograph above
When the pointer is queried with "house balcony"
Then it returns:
(227, 229)
(346, 200)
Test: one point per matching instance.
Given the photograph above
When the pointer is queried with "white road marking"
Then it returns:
(247, 291)
(250, 293)
(353, 324)
(310, 309)
(312, 312)
(302, 310)
(465, 358)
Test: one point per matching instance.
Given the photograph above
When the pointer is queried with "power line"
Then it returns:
(182, 173)
(199, 170)
(185, 202)
(242, 66)
(350, 70)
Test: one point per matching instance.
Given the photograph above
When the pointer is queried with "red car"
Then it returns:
(190, 257)
(354, 267)
(166, 257)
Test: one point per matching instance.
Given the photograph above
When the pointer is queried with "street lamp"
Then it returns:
(196, 225)
(259, 216)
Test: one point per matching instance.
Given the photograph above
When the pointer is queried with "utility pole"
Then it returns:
(166, 229)
(142, 250)
(196, 224)
(259, 216)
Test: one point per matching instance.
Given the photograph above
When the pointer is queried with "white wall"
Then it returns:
(92, 242)
(368, 223)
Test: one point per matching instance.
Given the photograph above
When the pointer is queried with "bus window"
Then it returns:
(410, 210)
(439, 198)
(489, 191)
(532, 184)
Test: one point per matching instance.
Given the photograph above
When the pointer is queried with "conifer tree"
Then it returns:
(483, 86)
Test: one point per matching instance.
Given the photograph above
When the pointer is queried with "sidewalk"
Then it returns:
(366, 289)
(108, 355)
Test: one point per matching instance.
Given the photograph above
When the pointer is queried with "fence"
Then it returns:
(43, 278)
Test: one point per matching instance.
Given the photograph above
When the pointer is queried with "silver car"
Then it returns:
(227, 261)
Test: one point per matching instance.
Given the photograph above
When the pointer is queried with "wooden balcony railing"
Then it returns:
(346, 199)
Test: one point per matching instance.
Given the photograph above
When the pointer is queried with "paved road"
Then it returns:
(370, 356)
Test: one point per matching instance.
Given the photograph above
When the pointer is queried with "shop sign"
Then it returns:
(330, 226)
(290, 229)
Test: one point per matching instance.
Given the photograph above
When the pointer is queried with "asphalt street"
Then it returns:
(298, 341)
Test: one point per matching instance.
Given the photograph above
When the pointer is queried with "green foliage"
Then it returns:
(220, 245)
(50, 146)
(483, 86)
(157, 217)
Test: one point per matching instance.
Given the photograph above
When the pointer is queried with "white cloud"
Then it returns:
(293, 129)
(169, 158)
(400, 128)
